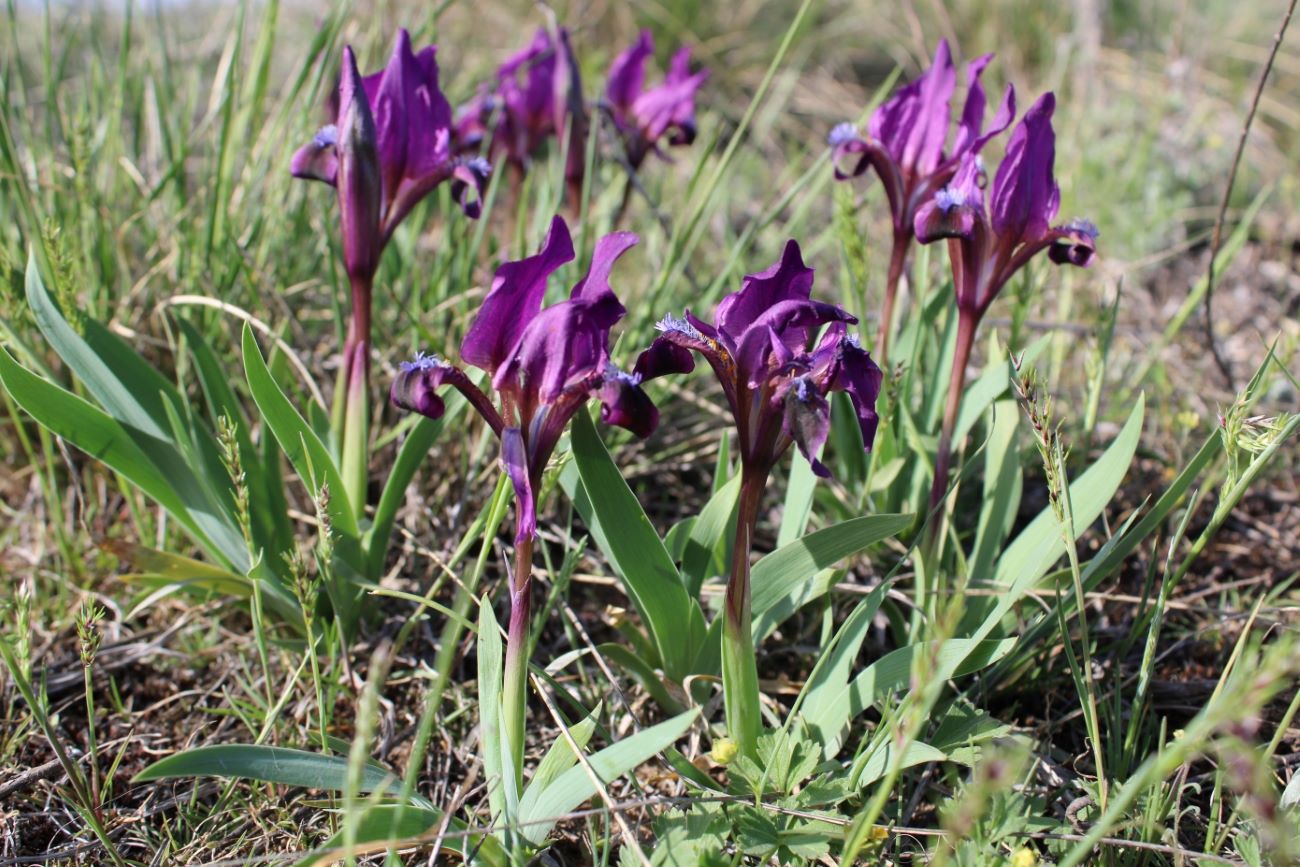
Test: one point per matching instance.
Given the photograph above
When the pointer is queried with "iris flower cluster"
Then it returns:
(907, 145)
(536, 96)
(777, 352)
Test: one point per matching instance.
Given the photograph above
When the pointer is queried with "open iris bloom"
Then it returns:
(986, 246)
(544, 364)
(644, 115)
(907, 145)
(389, 147)
(537, 96)
(778, 354)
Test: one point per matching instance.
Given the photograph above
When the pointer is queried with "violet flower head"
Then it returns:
(644, 115)
(389, 147)
(907, 138)
(537, 96)
(990, 244)
(778, 354)
(545, 363)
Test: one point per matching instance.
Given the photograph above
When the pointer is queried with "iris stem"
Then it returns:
(739, 662)
(967, 324)
(350, 414)
(516, 666)
(897, 259)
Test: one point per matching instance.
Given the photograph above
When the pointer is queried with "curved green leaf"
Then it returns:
(572, 788)
(624, 534)
(789, 567)
(300, 444)
(106, 439)
(267, 764)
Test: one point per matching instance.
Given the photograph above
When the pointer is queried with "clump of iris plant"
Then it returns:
(645, 115)
(906, 144)
(987, 245)
(544, 365)
(778, 354)
(535, 97)
(389, 147)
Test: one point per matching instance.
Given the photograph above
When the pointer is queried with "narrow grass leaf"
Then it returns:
(575, 785)
(787, 568)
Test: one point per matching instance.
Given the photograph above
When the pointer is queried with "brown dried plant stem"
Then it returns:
(1217, 241)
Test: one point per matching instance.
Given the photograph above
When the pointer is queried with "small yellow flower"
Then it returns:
(1024, 857)
(879, 833)
(724, 751)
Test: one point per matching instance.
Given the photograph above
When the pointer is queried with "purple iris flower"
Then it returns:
(544, 363)
(388, 149)
(907, 145)
(986, 249)
(778, 354)
(390, 145)
(643, 115)
(537, 96)
(775, 362)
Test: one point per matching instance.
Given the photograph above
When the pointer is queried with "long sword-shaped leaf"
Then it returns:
(623, 532)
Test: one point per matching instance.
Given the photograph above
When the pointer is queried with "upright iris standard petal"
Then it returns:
(569, 342)
(514, 301)
(1025, 197)
(913, 124)
(787, 280)
(358, 176)
(627, 72)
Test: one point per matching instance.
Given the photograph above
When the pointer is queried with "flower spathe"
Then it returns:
(388, 149)
(990, 244)
(644, 116)
(545, 363)
(775, 362)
